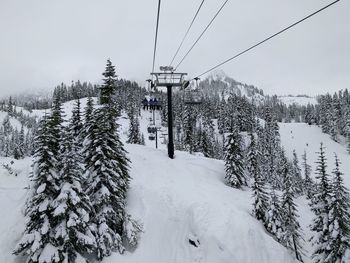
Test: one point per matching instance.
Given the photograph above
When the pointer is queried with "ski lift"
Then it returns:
(152, 136)
(151, 128)
(193, 96)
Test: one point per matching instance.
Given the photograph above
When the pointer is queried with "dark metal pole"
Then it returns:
(154, 119)
(170, 123)
(156, 138)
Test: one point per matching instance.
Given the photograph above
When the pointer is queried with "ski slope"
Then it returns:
(177, 201)
(303, 137)
(188, 213)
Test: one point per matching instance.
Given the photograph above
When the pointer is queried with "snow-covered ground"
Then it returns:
(177, 201)
(302, 101)
(14, 122)
(188, 213)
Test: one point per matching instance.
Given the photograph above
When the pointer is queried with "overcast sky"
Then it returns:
(46, 42)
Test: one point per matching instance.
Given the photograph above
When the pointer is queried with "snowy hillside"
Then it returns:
(299, 100)
(188, 213)
(302, 137)
(14, 122)
(178, 201)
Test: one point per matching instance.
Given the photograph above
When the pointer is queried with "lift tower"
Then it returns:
(169, 79)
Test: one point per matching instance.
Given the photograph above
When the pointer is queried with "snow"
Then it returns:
(299, 100)
(185, 199)
(303, 137)
(188, 213)
(14, 122)
(177, 201)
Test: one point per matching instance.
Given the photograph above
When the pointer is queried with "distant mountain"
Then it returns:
(219, 83)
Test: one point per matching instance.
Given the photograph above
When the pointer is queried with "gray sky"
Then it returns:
(44, 43)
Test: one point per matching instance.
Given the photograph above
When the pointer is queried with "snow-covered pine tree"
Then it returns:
(107, 172)
(76, 129)
(297, 180)
(251, 154)
(38, 242)
(134, 136)
(108, 89)
(338, 249)
(55, 125)
(72, 207)
(308, 182)
(274, 217)
(89, 110)
(188, 128)
(207, 132)
(76, 122)
(234, 160)
(292, 231)
(320, 205)
(21, 143)
(260, 195)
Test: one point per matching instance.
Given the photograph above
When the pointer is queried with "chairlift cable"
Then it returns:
(188, 30)
(200, 36)
(156, 37)
(266, 39)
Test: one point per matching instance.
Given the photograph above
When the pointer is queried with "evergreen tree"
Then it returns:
(108, 88)
(308, 182)
(134, 136)
(339, 220)
(107, 170)
(259, 190)
(234, 161)
(189, 128)
(76, 122)
(89, 110)
(55, 125)
(38, 242)
(320, 205)
(71, 207)
(251, 154)
(274, 217)
(296, 175)
(292, 231)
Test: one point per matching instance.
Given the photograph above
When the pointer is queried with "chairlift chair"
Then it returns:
(193, 96)
(152, 136)
(151, 128)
